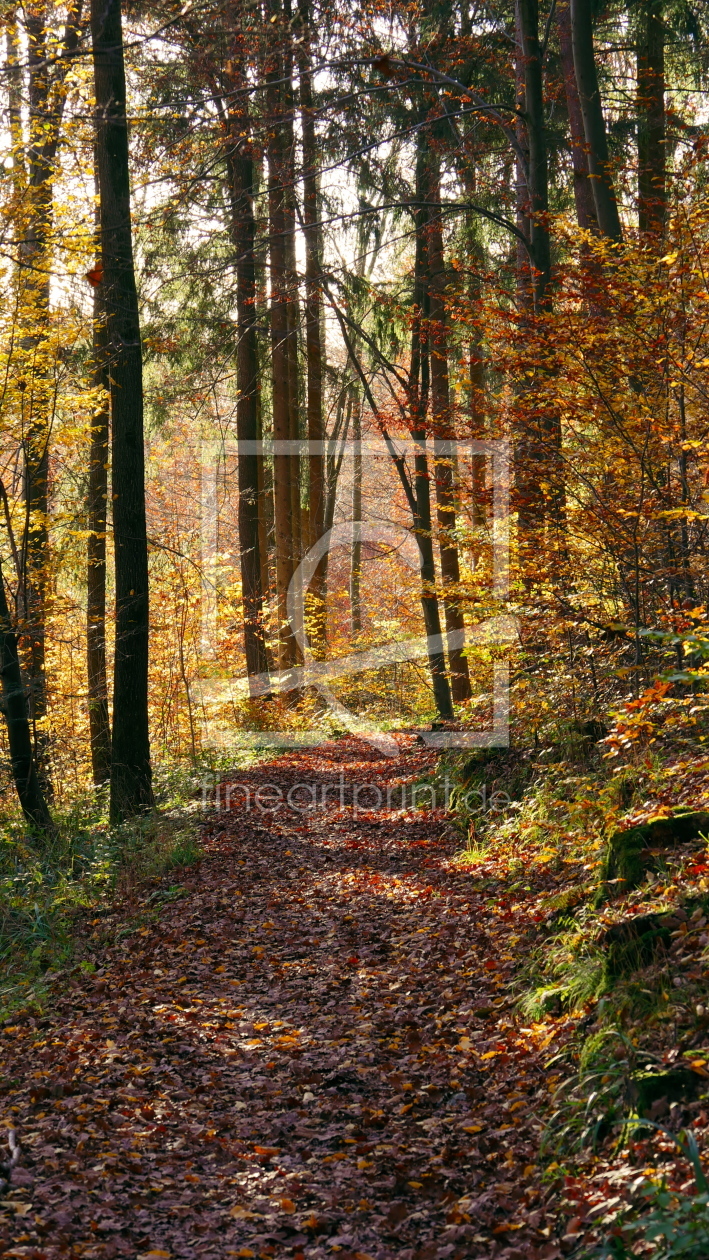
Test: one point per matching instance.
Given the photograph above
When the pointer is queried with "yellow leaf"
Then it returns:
(464, 1043)
(472, 1128)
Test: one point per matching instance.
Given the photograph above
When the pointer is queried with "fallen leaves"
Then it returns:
(347, 1084)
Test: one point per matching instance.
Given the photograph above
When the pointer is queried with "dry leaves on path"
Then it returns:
(313, 1053)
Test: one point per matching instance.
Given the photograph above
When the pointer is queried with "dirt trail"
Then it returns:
(312, 1053)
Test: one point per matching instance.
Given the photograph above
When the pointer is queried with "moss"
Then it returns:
(630, 853)
(634, 943)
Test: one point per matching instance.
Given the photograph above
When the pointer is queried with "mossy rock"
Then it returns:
(635, 942)
(630, 854)
(650, 1089)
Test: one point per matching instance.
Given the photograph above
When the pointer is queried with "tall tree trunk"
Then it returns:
(99, 723)
(529, 500)
(537, 180)
(242, 176)
(593, 121)
(583, 192)
(524, 280)
(476, 378)
(46, 108)
(313, 339)
(34, 297)
(443, 430)
(299, 543)
(652, 190)
(131, 789)
(14, 704)
(280, 366)
(356, 565)
(419, 384)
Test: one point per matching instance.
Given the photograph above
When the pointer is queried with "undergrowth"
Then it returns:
(617, 972)
(49, 893)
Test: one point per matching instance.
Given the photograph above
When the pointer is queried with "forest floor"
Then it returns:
(311, 1047)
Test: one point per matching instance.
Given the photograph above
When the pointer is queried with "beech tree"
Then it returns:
(130, 740)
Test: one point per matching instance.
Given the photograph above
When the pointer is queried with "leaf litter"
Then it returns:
(314, 1050)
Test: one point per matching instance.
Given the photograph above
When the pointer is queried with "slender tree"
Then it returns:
(46, 99)
(131, 789)
(281, 374)
(652, 177)
(242, 178)
(24, 770)
(314, 349)
(443, 427)
(583, 192)
(594, 123)
(99, 720)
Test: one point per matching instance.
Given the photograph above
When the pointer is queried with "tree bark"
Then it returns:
(523, 276)
(131, 789)
(280, 367)
(419, 385)
(583, 192)
(593, 121)
(537, 179)
(99, 722)
(14, 704)
(356, 565)
(652, 179)
(476, 378)
(242, 178)
(313, 339)
(443, 432)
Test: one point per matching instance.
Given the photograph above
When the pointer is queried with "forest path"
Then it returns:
(311, 1053)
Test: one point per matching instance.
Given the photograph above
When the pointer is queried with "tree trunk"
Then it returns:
(356, 566)
(99, 724)
(583, 192)
(280, 367)
(582, 189)
(299, 543)
(241, 184)
(593, 121)
(443, 432)
(46, 74)
(524, 279)
(14, 704)
(652, 190)
(419, 383)
(34, 298)
(131, 789)
(476, 377)
(537, 180)
(313, 340)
